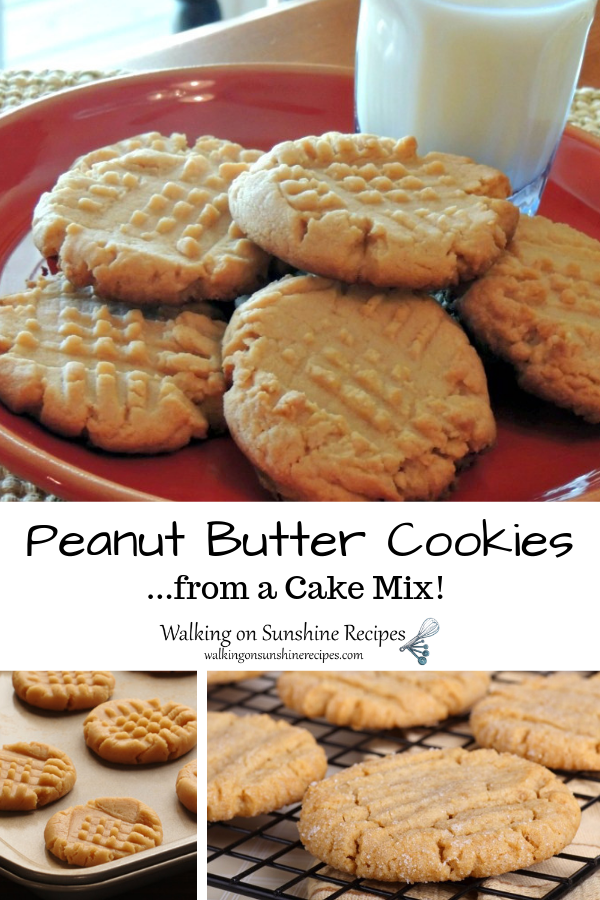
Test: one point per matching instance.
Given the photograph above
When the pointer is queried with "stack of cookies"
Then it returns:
(348, 383)
(119, 348)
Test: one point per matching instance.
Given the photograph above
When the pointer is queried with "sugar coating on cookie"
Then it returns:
(125, 380)
(363, 208)
(348, 393)
(381, 699)
(63, 690)
(552, 720)
(102, 830)
(140, 731)
(33, 774)
(186, 786)
(256, 764)
(440, 815)
(227, 677)
(538, 307)
(147, 221)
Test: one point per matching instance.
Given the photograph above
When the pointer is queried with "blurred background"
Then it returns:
(85, 34)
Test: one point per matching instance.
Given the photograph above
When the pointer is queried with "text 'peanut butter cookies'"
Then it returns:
(553, 720)
(147, 221)
(440, 815)
(126, 380)
(538, 308)
(140, 731)
(381, 699)
(63, 690)
(33, 774)
(345, 393)
(363, 208)
(256, 764)
(102, 830)
(186, 785)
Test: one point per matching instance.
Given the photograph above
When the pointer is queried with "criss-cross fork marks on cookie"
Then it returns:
(102, 830)
(439, 815)
(95, 828)
(63, 690)
(363, 208)
(25, 770)
(148, 221)
(137, 731)
(381, 699)
(32, 775)
(68, 678)
(128, 381)
(256, 764)
(350, 393)
(538, 307)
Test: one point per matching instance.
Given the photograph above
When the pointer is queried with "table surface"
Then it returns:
(306, 31)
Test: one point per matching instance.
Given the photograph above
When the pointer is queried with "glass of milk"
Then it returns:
(489, 79)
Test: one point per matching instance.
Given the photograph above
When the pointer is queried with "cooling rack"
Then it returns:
(263, 857)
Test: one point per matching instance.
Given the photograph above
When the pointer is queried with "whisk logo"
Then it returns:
(417, 645)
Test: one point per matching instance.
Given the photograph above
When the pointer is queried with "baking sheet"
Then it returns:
(22, 849)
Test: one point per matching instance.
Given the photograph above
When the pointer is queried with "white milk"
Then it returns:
(491, 80)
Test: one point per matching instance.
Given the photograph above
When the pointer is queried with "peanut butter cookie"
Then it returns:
(147, 221)
(187, 785)
(140, 731)
(102, 830)
(381, 699)
(125, 380)
(348, 393)
(257, 764)
(538, 307)
(63, 690)
(33, 774)
(363, 208)
(440, 815)
(228, 677)
(553, 720)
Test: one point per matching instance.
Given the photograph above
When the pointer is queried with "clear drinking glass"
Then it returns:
(489, 79)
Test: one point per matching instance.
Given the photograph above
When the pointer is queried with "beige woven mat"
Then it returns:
(17, 87)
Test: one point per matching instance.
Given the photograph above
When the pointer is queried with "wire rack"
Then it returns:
(262, 857)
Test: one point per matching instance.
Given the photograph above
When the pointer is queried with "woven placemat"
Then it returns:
(19, 86)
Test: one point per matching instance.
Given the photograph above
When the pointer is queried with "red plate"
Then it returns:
(542, 453)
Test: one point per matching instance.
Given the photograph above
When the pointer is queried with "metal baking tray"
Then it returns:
(262, 857)
(23, 856)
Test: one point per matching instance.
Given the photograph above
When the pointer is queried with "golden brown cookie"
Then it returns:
(440, 815)
(140, 731)
(227, 677)
(102, 830)
(33, 774)
(256, 764)
(348, 393)
(381, 699)
(187, 785)
(363, 208)
(147, 221)
(126, 380)
(553, 720)
(63, 690)
(538, 308)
